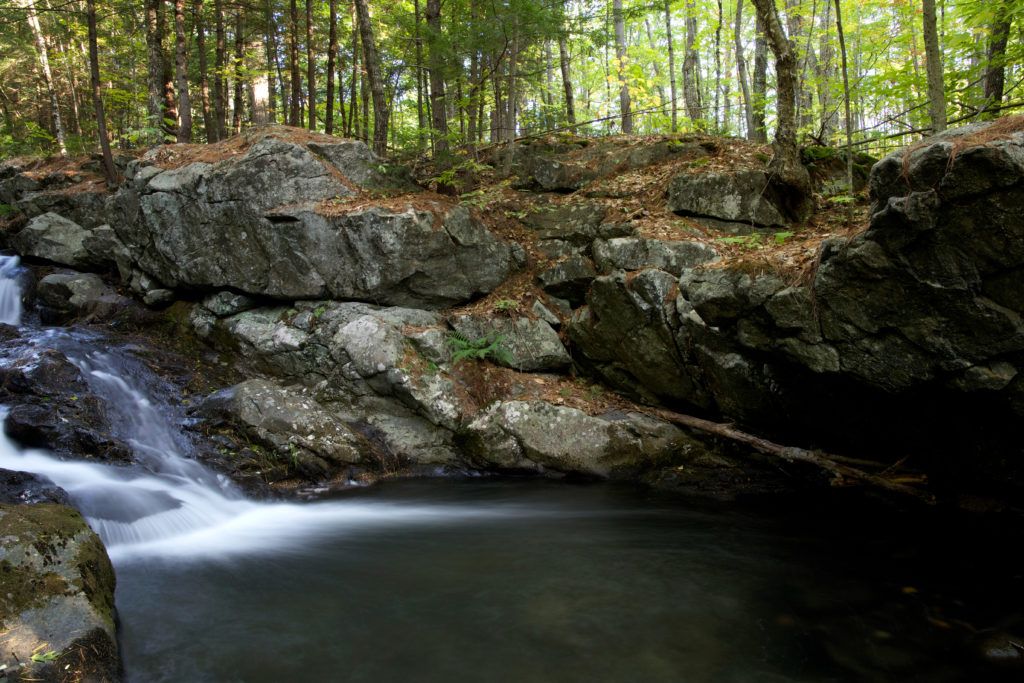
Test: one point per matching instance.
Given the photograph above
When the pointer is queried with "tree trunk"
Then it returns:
(759, 83)
(373, 75)
(846, 100)
(170, 121)
(657, 70)
(510, 128)
(824, 76)
(44, 68)
(672, 65)
(563, 61)
(310, 66)
(270, 44)
(238, 77)
(332, 49)
(220, 94)
(933, 64)
(109, 171)
(995, 68)
(209, 125)
(438, 110)
(181, 73)
(741, 68)
(691, 67)
(293, 65)
(421, 119)
(620, 56)
(789, 175)
(353, 118)
(718, 66)
(155, 73)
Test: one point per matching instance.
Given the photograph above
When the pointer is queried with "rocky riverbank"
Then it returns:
(378, 328)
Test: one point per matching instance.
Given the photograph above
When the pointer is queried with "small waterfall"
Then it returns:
(168, 504)
(10, 293)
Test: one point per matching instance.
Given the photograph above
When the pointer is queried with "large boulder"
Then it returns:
(290, 424)
(740, 197)
(58, 621)
(636, 253)
(263, 224)
(540, 437)
(532, 345)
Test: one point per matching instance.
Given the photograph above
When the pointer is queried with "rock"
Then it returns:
(69, 296)
(54, 238)
(539, 437)
(25, 487)
(568, 279)
(577, 224)
(256, 224)
(50, 406)
(86, 206)
(627, 333)
(59, 588)
(635, 253)
(364, 168)
(284, 421)
(742, 197)
(533, 346)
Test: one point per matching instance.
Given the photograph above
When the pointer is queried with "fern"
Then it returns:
(464, 348)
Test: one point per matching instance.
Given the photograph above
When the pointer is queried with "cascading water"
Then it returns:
(10, 293)
(168, 504)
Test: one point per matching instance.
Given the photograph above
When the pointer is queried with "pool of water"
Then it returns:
(498, 580)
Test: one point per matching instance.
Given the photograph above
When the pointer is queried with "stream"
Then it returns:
(492, 579)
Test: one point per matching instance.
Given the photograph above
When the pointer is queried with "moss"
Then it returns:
(26, 590)
(48, 528)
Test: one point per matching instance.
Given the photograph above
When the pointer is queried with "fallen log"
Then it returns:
(792, 453)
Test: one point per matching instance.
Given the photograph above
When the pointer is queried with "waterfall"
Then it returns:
(168, 504)
(10, 293)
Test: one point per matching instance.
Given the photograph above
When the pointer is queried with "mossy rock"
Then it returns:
(58, 619)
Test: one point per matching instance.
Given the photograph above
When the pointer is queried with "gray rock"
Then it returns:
(59, 588)
(80, 295)
(568, 279)
(742, 197)
(54, 238)
(284, 420)
(635, 253)
(254, 224)
(533, 346)
(538, 436)
(577, 224)
(360, 165)
(545, 314)
(225, 303)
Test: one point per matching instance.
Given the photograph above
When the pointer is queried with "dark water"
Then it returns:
(528, 581)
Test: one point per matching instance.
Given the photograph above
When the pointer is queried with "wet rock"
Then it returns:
(223, 304)
(533, 346)
(742, 197)
(24, 487)
(59, 588)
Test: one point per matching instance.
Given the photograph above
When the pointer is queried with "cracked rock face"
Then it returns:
(253, 224)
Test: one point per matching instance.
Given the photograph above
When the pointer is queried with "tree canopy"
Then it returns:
(446, 76)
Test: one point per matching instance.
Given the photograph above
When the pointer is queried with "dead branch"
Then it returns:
(792, 454)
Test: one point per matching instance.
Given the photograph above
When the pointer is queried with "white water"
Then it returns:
(10, 294)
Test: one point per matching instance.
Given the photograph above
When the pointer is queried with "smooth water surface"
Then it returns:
(533, 581)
